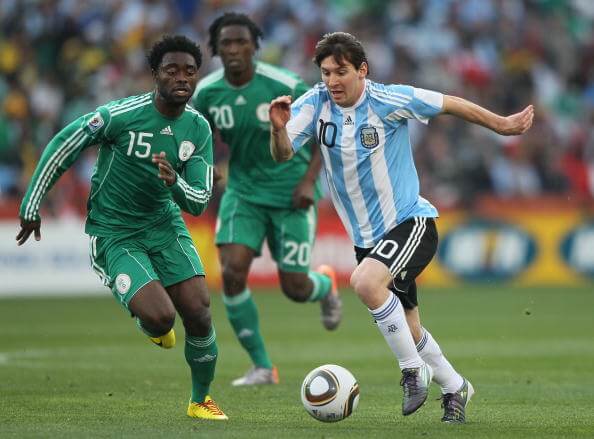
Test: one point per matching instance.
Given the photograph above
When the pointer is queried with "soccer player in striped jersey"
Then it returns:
(362, 129)
(154, 158)
(262, 200)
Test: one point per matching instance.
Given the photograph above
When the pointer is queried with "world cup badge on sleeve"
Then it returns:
(95, 123)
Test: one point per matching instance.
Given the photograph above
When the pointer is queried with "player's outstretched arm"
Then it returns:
(59, 154)
(511, 125)
(280, 113)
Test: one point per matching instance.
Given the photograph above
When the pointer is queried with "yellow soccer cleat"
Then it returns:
(206, 410)
(166, 341)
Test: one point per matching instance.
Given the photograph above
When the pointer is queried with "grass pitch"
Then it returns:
(77, 367)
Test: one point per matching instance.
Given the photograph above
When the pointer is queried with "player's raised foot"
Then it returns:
(415, 384)
(206, 410)
(166, 341)
(331, 305)
(257, 376)
(454, 404)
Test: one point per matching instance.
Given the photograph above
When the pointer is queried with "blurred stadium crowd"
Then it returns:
(62, 58)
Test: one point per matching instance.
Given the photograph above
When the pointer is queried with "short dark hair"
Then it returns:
(229, 19)
(173, 43)
(343, 47)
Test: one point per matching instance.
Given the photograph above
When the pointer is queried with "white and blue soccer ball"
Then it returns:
(330, 393)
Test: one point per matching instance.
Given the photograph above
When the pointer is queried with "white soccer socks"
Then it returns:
(391, 322)
(444, 374)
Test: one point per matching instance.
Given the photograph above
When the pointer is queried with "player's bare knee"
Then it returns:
(234, 278)
(364, 286)
(296, 287)
(158, 321)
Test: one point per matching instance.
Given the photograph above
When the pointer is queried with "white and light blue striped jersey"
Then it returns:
(367, 154)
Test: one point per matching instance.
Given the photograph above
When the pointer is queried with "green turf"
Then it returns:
(78, 367)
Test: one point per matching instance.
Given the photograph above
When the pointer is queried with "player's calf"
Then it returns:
(296, 286)
(166, 341)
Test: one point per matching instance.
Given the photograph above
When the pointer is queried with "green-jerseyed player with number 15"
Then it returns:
(155, 157)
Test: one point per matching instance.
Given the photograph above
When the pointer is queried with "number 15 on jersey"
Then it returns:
(138, 145)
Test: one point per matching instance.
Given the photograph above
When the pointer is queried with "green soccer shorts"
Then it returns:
(289, 232)
(165, 253)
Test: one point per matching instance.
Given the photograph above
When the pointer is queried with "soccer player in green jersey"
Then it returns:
(262, 200)
(155, 157)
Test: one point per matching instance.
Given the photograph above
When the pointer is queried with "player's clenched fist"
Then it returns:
(166, 171)
(518, 123)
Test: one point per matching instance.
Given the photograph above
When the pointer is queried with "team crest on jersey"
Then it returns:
(186, 149)
(369, 137)
(95, 123)
(262, 112)
(123, 283)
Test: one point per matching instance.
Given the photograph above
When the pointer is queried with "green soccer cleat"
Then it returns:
(415, 384)
(454, 404)
(166, 341)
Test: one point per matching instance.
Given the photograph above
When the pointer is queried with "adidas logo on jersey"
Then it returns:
(167, 131)
(240, 100)
(348, 121)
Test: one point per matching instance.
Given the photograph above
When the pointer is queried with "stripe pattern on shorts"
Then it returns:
(105, 279)
(411, 245)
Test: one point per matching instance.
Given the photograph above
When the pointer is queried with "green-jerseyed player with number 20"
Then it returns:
(155, 157)
(262, 200)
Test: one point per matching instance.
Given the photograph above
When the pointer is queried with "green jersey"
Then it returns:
(241, 116)
(126, 193)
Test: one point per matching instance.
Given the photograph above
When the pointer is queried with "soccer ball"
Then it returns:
(330, 393)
